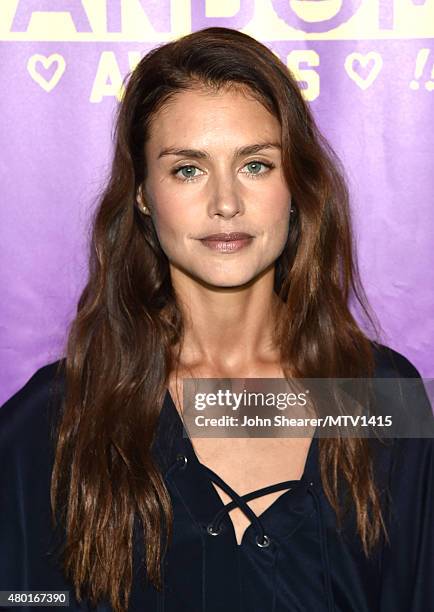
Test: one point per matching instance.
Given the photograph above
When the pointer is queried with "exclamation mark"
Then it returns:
(429, 85)
(421, 60)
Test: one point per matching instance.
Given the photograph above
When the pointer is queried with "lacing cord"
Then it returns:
(262, 540)
(214, 528)
(240, 501)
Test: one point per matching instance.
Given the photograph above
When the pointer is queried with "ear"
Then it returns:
(144, 208)
(139, 196)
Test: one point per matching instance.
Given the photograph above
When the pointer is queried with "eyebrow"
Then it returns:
(198, 154)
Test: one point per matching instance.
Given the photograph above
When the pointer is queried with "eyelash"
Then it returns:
(268, 165)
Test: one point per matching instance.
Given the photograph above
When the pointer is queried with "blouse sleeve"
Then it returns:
(407, 582)
(26, 459)
(408, 562)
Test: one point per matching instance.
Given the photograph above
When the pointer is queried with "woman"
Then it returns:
(213, 137)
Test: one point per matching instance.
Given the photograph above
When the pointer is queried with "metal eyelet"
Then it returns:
(183, 460)
(265, 541)
(213, 531)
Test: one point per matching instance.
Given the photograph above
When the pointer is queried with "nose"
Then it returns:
(225, 199)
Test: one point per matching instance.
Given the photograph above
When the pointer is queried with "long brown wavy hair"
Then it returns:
(119, 349)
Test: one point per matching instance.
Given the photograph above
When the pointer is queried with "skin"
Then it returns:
(229, 296)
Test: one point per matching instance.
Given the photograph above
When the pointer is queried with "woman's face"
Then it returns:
(202, 179)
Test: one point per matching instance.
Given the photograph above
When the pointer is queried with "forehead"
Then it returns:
(203, 115)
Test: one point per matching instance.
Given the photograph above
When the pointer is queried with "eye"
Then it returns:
(255, 167)
(187, 173)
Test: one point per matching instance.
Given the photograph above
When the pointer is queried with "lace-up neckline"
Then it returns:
(187, 454)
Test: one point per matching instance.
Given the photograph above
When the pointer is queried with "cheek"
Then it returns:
(173, 220)
(273, 209)
(275, 221)
(167, 207)
(277, 233)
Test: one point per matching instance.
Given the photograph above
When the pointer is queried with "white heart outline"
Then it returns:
(46, 62)
(363, 59)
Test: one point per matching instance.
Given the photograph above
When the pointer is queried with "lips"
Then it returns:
(227, 237)
(230, 242)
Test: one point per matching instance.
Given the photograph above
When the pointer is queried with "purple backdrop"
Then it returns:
(366, 68)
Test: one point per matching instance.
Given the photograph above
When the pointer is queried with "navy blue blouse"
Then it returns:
(291, 558)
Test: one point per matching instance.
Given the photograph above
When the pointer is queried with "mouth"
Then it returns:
(227, 242)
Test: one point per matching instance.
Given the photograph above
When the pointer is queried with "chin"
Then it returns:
(228, 275)
(227, 280)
